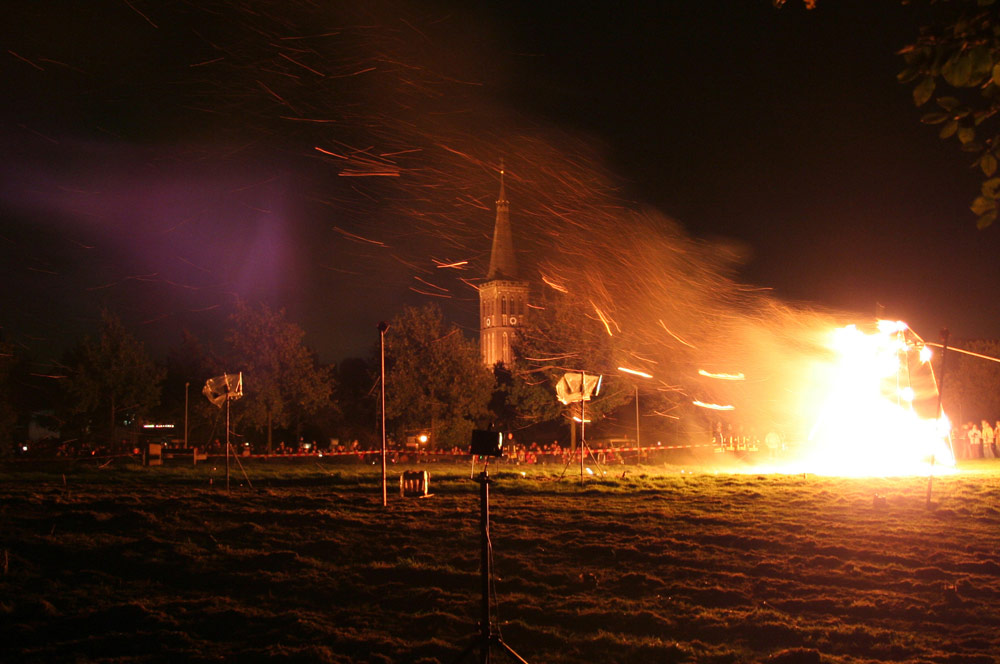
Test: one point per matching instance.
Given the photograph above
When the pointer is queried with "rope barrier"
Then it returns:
(465, 453)
(562, 453)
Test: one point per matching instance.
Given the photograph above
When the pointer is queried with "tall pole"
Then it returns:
(382, 327)
(227, 443)
(641, 374)
(583, 419)
(637, 443)
(186, 386)
(944, 353)
(485, 566)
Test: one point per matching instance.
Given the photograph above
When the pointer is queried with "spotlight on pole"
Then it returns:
(641, 374)
(224, 389)
(487, 444)
(577, 386)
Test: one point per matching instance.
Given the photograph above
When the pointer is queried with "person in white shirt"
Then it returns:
(989, 452)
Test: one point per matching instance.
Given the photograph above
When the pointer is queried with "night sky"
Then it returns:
(162, 159)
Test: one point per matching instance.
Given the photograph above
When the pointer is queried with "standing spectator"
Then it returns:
(975, 442)
(772, 441)
(961, 442)
(988, 434)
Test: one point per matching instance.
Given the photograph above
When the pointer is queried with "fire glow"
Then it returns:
(879, 417)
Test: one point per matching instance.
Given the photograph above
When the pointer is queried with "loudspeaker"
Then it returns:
(486, 443)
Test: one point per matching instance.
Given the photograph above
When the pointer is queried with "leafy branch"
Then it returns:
(956, 64)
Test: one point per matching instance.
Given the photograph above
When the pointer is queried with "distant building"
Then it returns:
(503, 298)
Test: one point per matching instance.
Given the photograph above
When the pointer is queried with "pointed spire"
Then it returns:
(503, 265)
(503, 194)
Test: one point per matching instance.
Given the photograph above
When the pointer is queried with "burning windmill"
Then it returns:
(879, 413)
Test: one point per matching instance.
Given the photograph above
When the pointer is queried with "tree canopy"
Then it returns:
(114, 371)
(282, 379)
(955, 63)
(563, 336)
(435, 378)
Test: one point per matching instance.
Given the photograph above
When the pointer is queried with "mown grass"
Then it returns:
(133, 564)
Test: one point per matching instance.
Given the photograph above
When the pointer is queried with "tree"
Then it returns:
(435, 377)
(956, 64)
(357, 394)
(189, 365)
(521, 398)
(113, 372)
(283, 382)
(563, 336)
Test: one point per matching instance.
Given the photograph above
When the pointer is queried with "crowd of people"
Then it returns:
(739, 440)
(977, 441)
(524, 454)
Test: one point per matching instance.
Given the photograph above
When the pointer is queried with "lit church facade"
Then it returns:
(503, 298)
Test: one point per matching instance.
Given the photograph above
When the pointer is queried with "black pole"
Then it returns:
(485, 567)
(227, 443)
(486, 638)
(583, 419)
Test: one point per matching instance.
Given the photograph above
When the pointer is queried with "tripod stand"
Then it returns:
(585, 450)
(486, 637)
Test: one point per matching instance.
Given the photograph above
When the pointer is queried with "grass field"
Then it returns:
(133, 564)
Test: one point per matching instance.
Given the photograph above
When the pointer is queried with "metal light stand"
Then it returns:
(584, 447)
(584, 395)
(230, 450)
(486, 638)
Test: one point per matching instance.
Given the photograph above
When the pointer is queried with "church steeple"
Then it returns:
(503, 298)
(503, 264)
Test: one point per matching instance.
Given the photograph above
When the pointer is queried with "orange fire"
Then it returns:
(879, 416)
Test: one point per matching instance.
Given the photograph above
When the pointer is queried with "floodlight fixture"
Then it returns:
(577, 386)
(224, 389)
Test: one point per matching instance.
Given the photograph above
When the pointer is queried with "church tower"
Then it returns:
(503, 298)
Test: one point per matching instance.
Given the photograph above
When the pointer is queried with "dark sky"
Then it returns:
(162, 159)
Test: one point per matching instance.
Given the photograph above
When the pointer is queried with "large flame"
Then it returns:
(880, 412)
